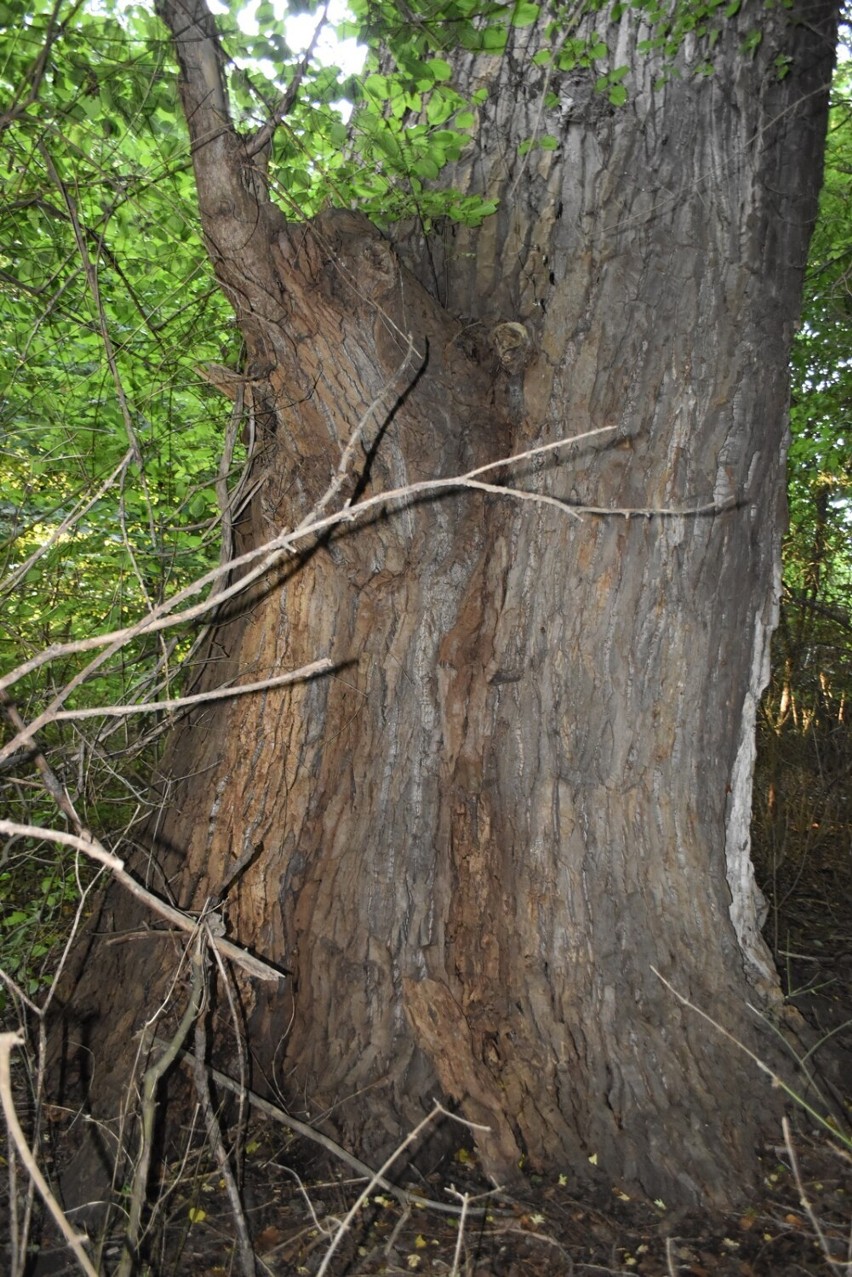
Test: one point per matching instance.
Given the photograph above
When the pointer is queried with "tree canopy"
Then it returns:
(818, 556)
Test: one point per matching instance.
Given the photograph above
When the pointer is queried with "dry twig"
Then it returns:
(74, 1240)
(151, 1081)
(90, 847)
(378, 1177)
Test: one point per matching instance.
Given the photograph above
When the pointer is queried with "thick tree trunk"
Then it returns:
(526, 788)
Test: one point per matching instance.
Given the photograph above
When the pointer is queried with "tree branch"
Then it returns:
(201, 61)
(74, 1240)
(265, 133)
(89, 846)
(272, 552)
(322, 666)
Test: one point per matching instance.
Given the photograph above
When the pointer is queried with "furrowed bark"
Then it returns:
(528, 782)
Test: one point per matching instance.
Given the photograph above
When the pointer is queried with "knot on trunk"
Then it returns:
(513, 345)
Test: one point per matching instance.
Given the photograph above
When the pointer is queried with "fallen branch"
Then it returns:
(90, 847)
(836, 1266)
(376, 1178)
(150, 1082)
(244, 1250)
(280, 547)
(74, 1240)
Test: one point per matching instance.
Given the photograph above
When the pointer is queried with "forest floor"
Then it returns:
(555, 1229)
(295, 1202)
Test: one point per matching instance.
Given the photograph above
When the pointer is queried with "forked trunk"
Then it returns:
(525, 790)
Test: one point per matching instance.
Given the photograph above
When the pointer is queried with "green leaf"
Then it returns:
(378, 87)
(440, 107)
(472, 210)
(440, 69)
(493, 39)
(427, 167)
(14, 918)
(782, 64)
(524, 14)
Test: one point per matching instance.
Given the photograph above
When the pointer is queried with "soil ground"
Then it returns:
(554, 1230)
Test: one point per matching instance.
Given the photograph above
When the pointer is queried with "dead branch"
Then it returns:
(89, 846)
(322, 666)
(70, 520)
(74, 1240)
(834, 1265)
(775, 1077)
(272, 552)
(148, 1114)
(377, 1177)
(214, 1130)
(307, 1132)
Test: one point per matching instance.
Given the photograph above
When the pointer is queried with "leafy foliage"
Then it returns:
(380, 140)
(108, 306)
(102, 257)
(820, 546)
(803, 820)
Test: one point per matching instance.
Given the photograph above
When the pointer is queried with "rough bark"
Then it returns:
(527, 785)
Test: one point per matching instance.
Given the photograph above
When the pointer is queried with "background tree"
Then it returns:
(805, 755)
(526, 788)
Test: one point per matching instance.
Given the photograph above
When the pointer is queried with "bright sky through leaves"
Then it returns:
(300, 28)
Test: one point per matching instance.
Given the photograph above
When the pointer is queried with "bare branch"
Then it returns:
(321, 666)
(286, 543)
(67, 523)
(378, 1176)
(40, 64)
(91, 274)
(90, 847)
(149, 1111)
(74, 1240)
(331, 1146)
(353, 441)
(265, 133)
(775, 1078)
(51, 781)
(271, 552)
(245, 1252)
(835, 1266)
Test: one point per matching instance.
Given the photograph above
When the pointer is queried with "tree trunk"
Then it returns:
(525, 790)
